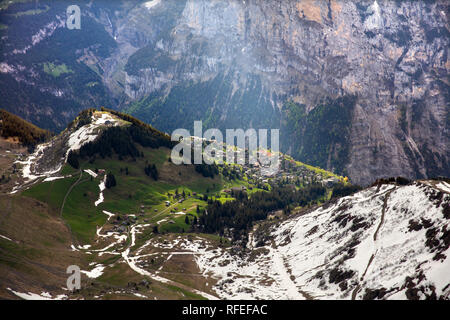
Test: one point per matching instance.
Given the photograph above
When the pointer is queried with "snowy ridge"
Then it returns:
(49, 157)
(385, 242)
(89, 132)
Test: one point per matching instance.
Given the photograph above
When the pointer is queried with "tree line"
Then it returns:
(239, 215)
(28, 134)
(207, 170)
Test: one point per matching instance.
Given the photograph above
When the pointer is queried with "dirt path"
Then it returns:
(68, 192)
(64, 202)
(293, 292)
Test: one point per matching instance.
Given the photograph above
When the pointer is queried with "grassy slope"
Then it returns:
(132, 191)
(39, 248)
(83, 218)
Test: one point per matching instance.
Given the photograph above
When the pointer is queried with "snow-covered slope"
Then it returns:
(385, 242)
(49, 157)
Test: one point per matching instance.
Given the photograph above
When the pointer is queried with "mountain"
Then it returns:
(104, 196)
(359, 90)
(388, 241)
(94, 195)
(357, 87)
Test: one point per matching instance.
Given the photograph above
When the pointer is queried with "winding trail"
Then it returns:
(68, 192)
(64, 202)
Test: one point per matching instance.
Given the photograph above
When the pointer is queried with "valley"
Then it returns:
(143, 236)
(351, 200)
(358, 87)
(146, 228)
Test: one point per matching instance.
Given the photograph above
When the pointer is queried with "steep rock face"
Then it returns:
(391, 55)
(237, 63)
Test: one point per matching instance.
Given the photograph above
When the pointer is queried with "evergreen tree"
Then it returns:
(72, 159)
(154, 172)
(110, 181)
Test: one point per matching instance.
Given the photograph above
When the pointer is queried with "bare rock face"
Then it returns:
(253, 56)
(393, 56)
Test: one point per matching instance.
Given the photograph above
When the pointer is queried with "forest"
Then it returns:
(28, 134)
(119, 140)
(239, 215)
(324, 130)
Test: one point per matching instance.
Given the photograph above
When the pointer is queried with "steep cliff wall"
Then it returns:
(251, 63)
(391, 55)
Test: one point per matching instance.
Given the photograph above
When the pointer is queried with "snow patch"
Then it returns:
(91, 173)
(96, 272)
(109, 214)
(53, 179)
(102, 187)
(151, 4)
(34, 296)
(6, 238)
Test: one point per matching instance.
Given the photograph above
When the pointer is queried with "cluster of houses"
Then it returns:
(287, 172)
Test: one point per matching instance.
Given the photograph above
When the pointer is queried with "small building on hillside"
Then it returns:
(330, 182)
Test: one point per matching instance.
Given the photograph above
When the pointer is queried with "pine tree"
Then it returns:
(154, 172)
(72, 159)
(110, 181)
